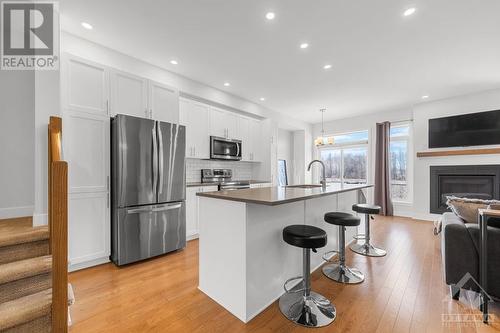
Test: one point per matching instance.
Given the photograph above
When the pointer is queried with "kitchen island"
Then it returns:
(243, 260)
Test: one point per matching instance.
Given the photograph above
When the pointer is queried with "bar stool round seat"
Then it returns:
(305, 236)
(340, 218)
(299, 304)
(366, 208)
(366, 248)
(340, 272)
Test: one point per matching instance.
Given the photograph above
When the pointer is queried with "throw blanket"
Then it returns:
(438, 226)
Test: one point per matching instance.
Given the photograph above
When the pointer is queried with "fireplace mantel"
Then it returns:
(456, 152)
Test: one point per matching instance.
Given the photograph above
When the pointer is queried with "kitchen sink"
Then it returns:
(305, 186)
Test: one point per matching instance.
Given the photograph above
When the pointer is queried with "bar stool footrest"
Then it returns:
(292, 290)
(326, 256)
(359, 237)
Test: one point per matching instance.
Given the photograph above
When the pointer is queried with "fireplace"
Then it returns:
(470, 181)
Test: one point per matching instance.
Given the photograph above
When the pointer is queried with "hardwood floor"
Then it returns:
(402, 292)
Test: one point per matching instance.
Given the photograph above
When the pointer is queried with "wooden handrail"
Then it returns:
(58, 225)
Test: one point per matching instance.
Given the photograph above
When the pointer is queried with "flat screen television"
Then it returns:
(473, 129)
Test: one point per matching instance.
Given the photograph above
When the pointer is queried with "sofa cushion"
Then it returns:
(467, 209)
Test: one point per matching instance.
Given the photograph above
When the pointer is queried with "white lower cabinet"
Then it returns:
(192, 226)
(88, 230)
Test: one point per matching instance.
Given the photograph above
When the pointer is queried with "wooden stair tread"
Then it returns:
(25, 309)
(17, 231)
(25, 268)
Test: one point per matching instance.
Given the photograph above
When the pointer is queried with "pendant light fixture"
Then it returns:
(322, 140)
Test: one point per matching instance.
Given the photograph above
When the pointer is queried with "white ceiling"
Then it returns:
(380, 59)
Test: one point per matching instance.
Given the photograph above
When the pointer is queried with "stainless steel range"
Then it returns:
(223, 178)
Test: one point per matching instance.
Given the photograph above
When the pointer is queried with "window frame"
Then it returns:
(409, 159)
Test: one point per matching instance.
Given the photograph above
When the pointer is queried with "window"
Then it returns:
(347, 159)
(399, 162)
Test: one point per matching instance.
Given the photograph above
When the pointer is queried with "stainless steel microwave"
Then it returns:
(225, 149)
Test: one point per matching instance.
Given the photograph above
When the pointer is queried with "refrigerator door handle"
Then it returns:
(139, 210)
(155, 159)
(167, 207)
(160, 157)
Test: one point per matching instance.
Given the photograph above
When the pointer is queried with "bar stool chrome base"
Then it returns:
(367, 250)
(313, 310)
(343, 274)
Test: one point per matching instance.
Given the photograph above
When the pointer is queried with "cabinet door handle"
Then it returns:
(146, 113)
(107, 107)
(151, 113)
(194, 154)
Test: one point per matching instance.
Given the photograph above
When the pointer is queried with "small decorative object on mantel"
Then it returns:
(322, 140)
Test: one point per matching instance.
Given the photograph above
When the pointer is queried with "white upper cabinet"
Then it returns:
(129, 95)
(250, 134)
(163, 102)
(85, 86)
(218, 123)
(246, 138)
(256, 139)
(232, 126)
(223, 124)
(195, 116)
(199, 121)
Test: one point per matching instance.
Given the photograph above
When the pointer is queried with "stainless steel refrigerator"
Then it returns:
(148, 188)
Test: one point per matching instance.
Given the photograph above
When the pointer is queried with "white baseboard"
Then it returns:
(87, 264)
(40, 219)
(193, 236)
(13, 212)
(426, 217)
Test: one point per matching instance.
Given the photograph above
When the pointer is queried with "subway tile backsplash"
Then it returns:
(241, 170)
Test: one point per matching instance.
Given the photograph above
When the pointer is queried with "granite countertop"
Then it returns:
(272, 196)
(193, 184)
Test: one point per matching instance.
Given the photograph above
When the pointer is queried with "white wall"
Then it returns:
(285, 152)
(484, 101)
(17, 118)
(47, 103)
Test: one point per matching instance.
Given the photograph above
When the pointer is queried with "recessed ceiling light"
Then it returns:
(270, 16)
(410, 11)
(87, 26)
(327, 66)
(304, 46)
(227, 84)
(174, 62)
(425, 96)
(262, 99)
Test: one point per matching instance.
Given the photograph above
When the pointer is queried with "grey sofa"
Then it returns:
(460, 254)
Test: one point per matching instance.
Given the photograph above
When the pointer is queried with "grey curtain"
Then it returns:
(382, 169)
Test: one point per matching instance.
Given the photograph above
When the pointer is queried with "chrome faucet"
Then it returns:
(323, 180)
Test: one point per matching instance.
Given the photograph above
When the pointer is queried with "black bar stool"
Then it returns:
(366, 248)
(299, 304)
(338, 271)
